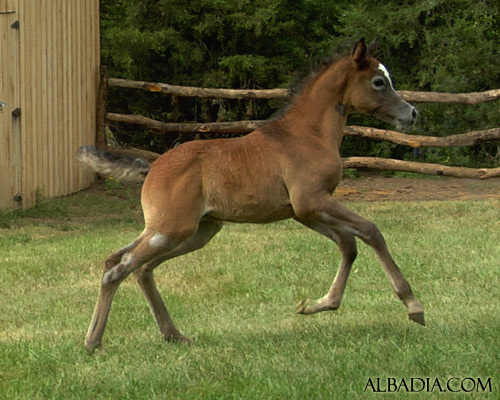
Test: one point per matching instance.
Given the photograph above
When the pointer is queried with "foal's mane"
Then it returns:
(320, 65)
(303, 77)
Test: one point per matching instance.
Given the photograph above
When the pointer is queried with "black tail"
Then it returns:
(121, 167)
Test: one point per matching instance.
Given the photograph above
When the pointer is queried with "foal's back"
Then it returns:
(236, 180)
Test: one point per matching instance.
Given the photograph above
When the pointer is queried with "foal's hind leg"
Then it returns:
(119, 265)
(347, 245)
(206, 231)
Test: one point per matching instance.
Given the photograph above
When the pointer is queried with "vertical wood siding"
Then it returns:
(9, 94)
(50, 71)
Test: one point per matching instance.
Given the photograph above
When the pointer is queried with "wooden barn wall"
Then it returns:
(52, 79)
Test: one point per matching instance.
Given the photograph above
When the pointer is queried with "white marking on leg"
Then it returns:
(126, 259)
(158, 240)
(384, 70)
(117, 271)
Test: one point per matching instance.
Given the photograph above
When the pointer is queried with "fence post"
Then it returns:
(101, 108)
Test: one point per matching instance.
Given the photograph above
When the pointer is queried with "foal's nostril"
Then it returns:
(414, 113)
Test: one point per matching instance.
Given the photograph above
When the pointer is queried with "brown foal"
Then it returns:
(288, 168)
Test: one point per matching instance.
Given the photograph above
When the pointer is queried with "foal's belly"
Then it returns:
(251, 207)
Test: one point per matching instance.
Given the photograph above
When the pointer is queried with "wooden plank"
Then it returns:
(50, 53)
(423, 168)
(235, 127)
(451, 98)
(70, 53)
(35, 109)
(49, 98)
(191, 91)
(64, 116)
(16, 117)
(78, 98)
(25, 147)
(5, 183)
(7, 87)
(60, 130)
(41, 78)
(463, 139)
(80, 48)
(27, 94)
(219, 93)
(85, 86)
(28, 100)
(95, 76)
(88, 84)
(91, 81)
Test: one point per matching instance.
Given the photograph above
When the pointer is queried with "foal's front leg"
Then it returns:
(347, 245)
(326, 210)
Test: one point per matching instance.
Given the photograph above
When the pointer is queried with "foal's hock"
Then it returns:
(288, 168)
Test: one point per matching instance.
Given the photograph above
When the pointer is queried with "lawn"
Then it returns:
(236, 299)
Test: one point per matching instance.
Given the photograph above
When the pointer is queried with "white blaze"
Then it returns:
(384, 70)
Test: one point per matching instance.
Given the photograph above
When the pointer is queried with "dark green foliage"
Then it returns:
(443, 46)
(432, 45)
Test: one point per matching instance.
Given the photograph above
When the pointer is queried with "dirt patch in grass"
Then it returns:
(377, 187)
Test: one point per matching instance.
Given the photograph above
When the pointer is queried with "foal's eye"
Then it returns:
(378, 83)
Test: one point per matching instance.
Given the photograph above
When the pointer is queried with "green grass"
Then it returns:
(236, 299)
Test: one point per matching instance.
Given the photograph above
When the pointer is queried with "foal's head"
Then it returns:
(369, 89)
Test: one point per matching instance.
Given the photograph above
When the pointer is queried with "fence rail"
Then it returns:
(241, 127)
(190, 91)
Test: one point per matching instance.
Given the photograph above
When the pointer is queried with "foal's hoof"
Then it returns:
(418, 318)
(92, 347)
(305, 307)
(179, 338)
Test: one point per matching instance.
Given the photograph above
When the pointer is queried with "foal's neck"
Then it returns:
(319, 110)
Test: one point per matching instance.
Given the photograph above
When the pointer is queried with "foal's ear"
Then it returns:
(359, 52)
(372, 48)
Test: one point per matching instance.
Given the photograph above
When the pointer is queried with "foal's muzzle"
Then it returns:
(406, 117)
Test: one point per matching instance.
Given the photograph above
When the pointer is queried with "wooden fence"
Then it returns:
(239, 127)
(49, 75)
